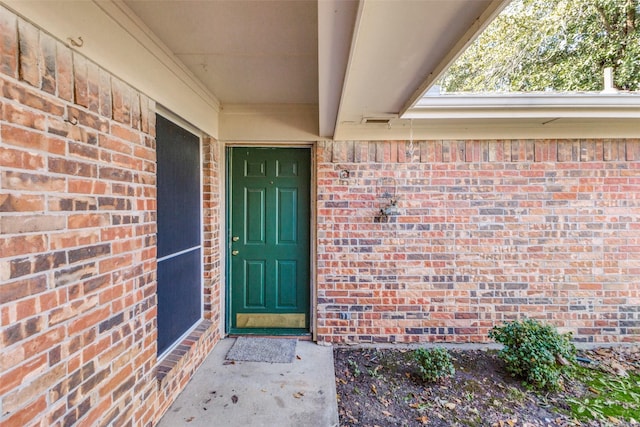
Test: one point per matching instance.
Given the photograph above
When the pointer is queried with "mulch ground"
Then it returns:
(381, 387)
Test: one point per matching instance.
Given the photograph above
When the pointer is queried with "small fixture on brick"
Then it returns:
(386, 192)
(344, 174)
(387, 211)
(76, 41)
(391, 208)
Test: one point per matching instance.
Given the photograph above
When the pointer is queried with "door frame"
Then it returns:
(226, 236)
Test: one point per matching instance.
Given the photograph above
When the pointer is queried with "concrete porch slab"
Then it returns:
(302, 393)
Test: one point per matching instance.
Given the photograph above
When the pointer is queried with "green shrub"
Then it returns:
(535, 352)
(433, 364)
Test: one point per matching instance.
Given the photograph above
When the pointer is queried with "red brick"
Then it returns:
(88, 320)
(88, 220)
(86, 186)
(31, 182)
(114, 144)
(32, 140)
(72, 167)
(125, 133)
(64, 75)
(93, 87)
(8, 43)
(11, 291)
(29, 37)
(25, 416)
(18, 398)
(21, 203)
(121, 96)
(31, 223)
(24, 117)
(32, 98)
(18, 159)
(105, 100)
(47, 58)
(11, 378)
(80, 82)
(75, 238)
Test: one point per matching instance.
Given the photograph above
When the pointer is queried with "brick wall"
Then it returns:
(488, 231)
(77, 243)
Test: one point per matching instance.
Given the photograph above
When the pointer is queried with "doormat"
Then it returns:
(272, 350)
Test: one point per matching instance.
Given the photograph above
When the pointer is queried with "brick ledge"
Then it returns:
(172, 359)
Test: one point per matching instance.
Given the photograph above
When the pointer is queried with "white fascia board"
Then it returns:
(494, 128)
(336, 20)
(621, 105)
(118, 41)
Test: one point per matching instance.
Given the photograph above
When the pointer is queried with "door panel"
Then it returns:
(287, 215)
(287, 291)
(255, 214)
(268, 275)
(255, 284)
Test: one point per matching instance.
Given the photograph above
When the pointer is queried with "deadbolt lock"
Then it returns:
(234, 253)
(235, 238)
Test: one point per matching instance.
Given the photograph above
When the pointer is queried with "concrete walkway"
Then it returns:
(302, 393)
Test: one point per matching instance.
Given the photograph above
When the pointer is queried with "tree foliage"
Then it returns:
(553, 45)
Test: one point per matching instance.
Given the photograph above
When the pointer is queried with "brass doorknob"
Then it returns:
(234, 253)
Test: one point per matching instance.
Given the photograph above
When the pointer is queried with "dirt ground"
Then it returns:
(381, 387)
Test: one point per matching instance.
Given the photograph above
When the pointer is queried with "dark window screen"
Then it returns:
(179, 231)
(178, 156)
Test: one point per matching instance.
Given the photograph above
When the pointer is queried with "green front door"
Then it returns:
(268, 248)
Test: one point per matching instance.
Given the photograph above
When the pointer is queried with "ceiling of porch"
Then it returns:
(353, 60)
(305, 70)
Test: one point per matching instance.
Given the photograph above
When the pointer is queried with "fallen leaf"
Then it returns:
(298, 395)
(374, 389)
(298, 357)
(234, 399)
(229, 362)
(561, 360)
(189, 419)
(512, 422)
(614, 420)
(450, 406)
(387, 414)
(423, 419)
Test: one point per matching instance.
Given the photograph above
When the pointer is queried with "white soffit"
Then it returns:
(244, 51)
(399, 48)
